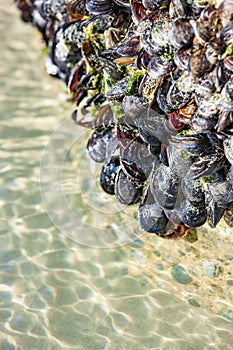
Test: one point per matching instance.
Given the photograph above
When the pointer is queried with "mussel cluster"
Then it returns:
(153, 80)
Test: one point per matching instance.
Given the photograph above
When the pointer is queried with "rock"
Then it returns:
(180, 275)
(211, 269)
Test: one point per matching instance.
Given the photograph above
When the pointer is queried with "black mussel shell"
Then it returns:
(199, 64)
(143, 59)
(228, 62)
(177, 8)
(118, 91)
(97, 146)
(193, 144)
(194, 192)
(104, 118)
(108, 175)
(136, 160)
(228, 148)
(99, 7)
(77, 7)
(191, 215)
(201, 123)
(176, 98)
(122, 2)
(178, 161)
(214, 211)
(40, 23)
(151, 127)
(164, 185)
(127, 191)
(151, 216)
(229, 176)
(182, 57)
(221, 192)
(161, 96)
(112, 70)
(226, 33)
(154, 4)
(181, 32)
(205, 165)
(155, 38)
(129, 46)
(133, 108)
(173, 216)
(125, 133)
(159, 68)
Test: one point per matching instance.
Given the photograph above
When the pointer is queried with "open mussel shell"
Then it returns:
(138, 11)
(136, 160)
(127, 191)
(108, 175)
(173, 123)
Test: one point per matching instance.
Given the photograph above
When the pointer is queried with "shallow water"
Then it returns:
(68, 280)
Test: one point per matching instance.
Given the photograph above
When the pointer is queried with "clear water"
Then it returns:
(68, 280)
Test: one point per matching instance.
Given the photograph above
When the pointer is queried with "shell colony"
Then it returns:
(153, 80)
